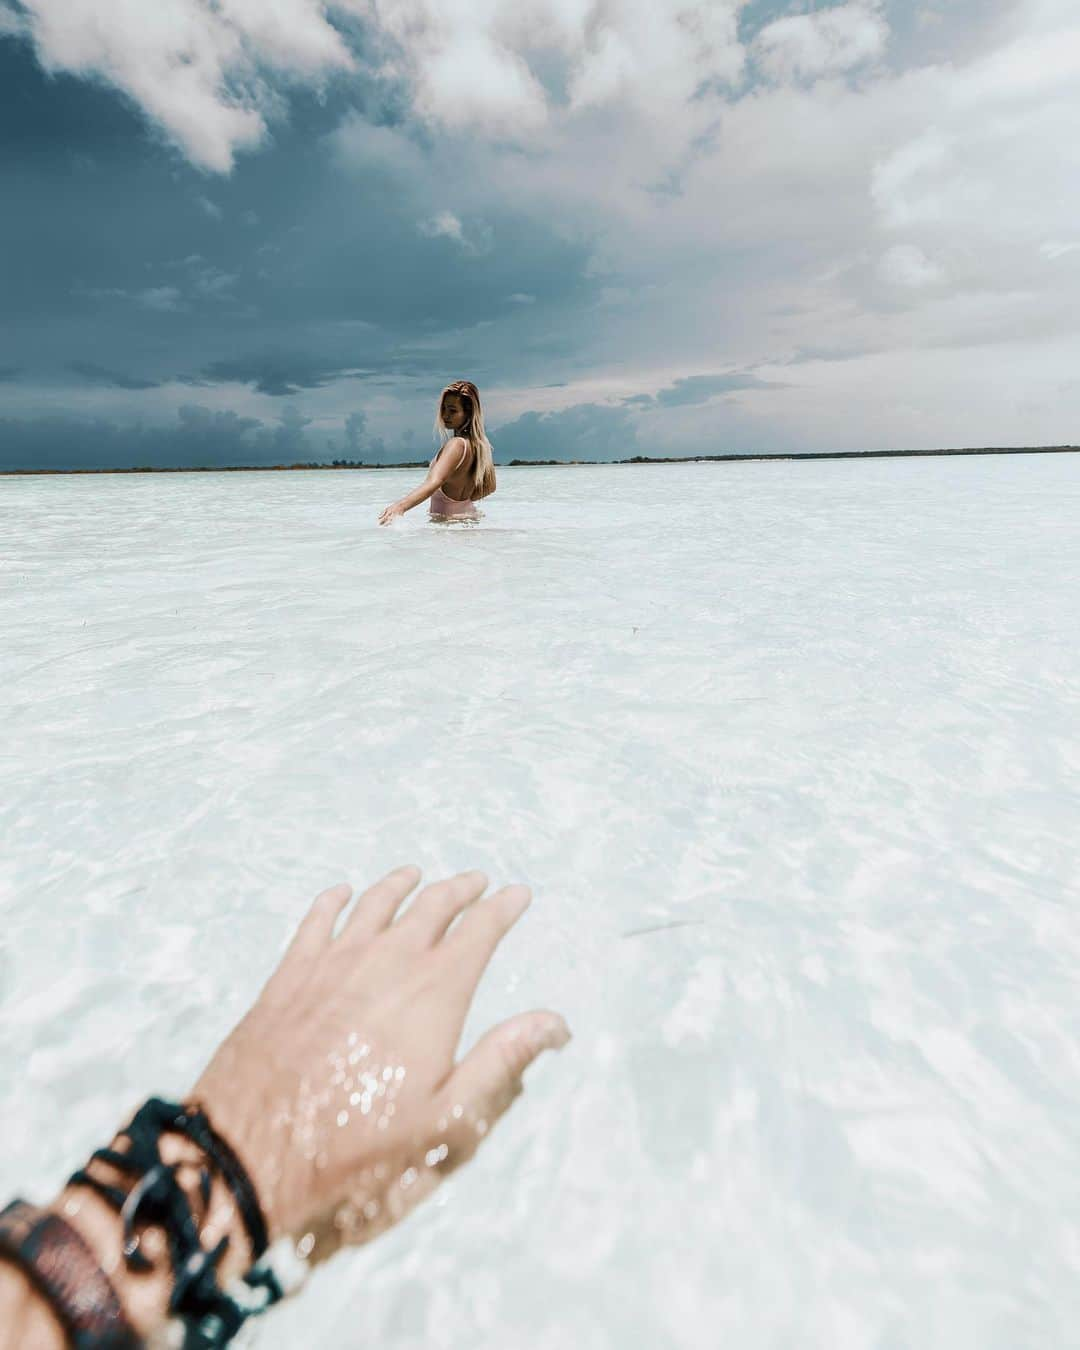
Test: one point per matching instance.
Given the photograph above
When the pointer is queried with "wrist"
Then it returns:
(58, 1293)
(251, 1126)
(144, 1294)
(168, 1216)
(144, 1298)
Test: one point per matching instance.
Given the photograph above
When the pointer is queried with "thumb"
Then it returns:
(487, 1080)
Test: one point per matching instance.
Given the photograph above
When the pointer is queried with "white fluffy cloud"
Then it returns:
(445, 224)
(461, 71)
(1054, 248)
(908, 265)
(210, 73)
(886, 246)
(997, 154)
(875, 232)
(468, 62)
(198, 70)
(654, 55)
(475, 238)
(824, 42)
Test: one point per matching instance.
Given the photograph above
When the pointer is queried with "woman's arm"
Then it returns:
(437, 475)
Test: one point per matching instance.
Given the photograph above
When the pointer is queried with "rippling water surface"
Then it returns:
(789, 755)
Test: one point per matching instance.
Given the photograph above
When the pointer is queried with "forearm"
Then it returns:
(27, 1321)
(419, 494)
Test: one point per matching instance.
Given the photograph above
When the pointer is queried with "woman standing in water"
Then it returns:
(463, 469)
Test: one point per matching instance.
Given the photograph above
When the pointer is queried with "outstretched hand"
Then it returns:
(339, 1088)
(391, 512)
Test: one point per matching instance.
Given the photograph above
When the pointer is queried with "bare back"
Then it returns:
(458, 486)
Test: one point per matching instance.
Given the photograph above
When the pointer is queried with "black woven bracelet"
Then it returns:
(67, 1274)
(192, 1122)
(156, 1117)
(154, 1198)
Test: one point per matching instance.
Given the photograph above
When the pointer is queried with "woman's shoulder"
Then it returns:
(451, 450)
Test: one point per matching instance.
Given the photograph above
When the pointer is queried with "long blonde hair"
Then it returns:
(474, 433)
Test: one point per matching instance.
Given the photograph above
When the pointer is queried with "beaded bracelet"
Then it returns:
(63, 1269)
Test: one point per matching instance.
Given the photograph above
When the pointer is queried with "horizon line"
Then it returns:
(554, 463)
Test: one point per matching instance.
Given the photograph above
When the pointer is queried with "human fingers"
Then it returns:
(438, 905)
(472, 944)
(316, 928)
(482, 1086)
(379, 903)
(310, 940)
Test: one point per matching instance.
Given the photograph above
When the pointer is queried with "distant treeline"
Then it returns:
(525, 463)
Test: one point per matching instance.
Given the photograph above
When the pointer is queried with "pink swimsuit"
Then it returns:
(442, 505)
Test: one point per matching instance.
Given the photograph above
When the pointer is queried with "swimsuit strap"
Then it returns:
(460, 462)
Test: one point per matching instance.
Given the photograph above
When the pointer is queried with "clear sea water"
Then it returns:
(789, 754)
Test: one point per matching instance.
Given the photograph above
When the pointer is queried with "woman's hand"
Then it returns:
(339, 1088)
(394, 510)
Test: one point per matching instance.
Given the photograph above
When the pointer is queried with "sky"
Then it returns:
(270, 231)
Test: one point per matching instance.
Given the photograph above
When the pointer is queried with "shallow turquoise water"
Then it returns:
(788, 753)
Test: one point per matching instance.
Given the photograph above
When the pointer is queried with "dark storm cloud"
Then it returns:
(361, 253)
(288, 373)
(308, 271)
(115, 379)
(106, 222)
(360, 444)
(200, 438)
(89, 196)
(587, 431)
(277, 375)
(46, 113)
(694, 389)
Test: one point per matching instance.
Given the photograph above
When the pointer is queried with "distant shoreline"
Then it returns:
(567, 463)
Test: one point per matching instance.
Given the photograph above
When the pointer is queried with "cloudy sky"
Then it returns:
(256, 231)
